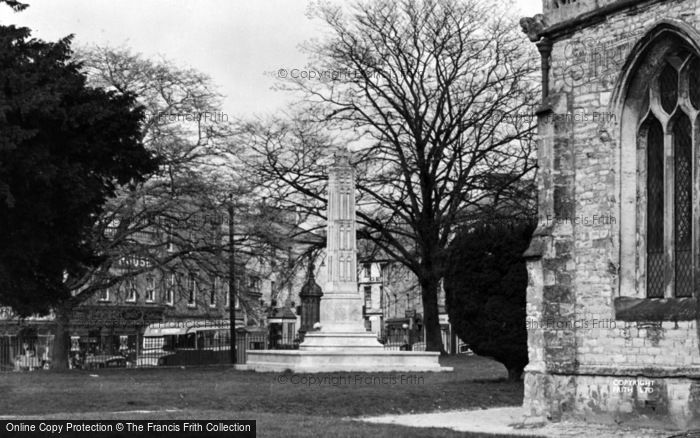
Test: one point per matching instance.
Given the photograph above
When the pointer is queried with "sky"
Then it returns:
(240, 44)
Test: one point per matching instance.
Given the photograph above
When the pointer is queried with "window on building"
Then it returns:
(171, 237)
(123, 342)
(150, 289)
(212, 293)
(191, 290)
(170, 290)
(667, 135)
(104, 295)
(367, 270)
(112, 227)
(368, 297)
(131, 291)
(227, 294)
(382, 300)
(254, 283)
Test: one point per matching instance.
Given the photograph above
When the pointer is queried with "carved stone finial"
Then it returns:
(310, 287)
(533, 26)
(341, 157)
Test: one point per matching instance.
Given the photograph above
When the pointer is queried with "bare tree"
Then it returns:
(436, 98)
(176, 220)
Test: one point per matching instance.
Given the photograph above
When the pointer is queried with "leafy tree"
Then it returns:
(65, 148)
(486, 289)
(430, 94)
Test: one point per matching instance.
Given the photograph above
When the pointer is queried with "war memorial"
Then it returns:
(342, 343)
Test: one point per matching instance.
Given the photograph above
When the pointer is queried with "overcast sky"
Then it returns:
(234, 41)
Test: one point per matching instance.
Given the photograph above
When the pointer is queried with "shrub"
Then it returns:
(485, 287)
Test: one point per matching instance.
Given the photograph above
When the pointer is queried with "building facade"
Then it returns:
(160, 287)
(390, 293)
(614, 265)
(113, 320)
(392, 302)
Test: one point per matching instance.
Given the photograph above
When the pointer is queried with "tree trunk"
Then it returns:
(514, 374)
(61, 340)
(431, 318)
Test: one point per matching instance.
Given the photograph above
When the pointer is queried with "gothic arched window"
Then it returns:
(669, 120)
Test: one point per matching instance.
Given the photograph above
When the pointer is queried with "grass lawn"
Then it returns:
(284, 404)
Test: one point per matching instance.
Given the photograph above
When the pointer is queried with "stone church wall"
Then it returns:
(586, 360)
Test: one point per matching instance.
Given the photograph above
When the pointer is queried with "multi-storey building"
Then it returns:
(371, 288)
(393, 303)
(181, 291)
(115, 318)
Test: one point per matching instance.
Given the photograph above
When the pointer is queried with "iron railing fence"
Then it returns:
(403, 339)
(199, 350)
(287, 341)
(19, 354)
(400, 339)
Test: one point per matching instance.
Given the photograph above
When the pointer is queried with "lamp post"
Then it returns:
(406, 327)
(231, 281)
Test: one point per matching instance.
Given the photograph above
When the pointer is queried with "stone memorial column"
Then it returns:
(341, 306)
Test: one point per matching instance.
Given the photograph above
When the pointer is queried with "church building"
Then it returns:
(614, 266)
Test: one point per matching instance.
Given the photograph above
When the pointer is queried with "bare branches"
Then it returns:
(434, 94)
(176, 218)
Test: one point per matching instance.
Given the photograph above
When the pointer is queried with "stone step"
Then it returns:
(317, 361)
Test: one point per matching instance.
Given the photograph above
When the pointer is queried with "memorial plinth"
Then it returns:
(326, 361)
(342, 343)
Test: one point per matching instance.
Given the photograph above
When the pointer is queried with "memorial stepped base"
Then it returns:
(323, 352)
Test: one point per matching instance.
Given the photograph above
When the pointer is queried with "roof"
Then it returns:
(281, 313)
(187, 326)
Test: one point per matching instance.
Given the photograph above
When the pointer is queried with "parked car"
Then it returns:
(418, 346)
(153, 358)
(104, 361)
